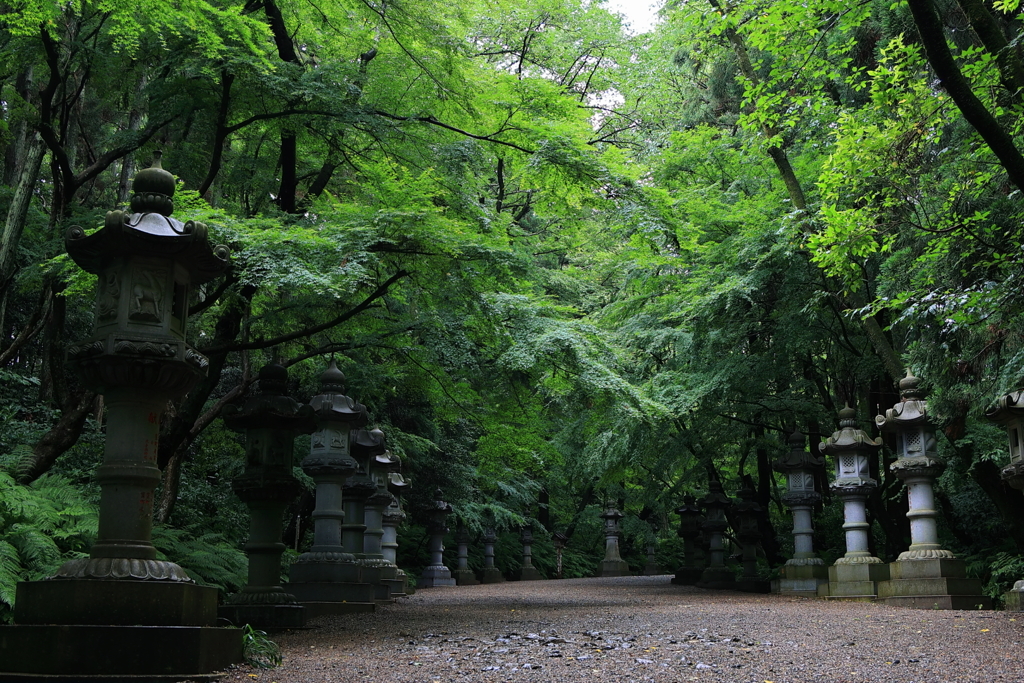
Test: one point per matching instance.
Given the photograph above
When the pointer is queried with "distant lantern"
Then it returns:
(1009, 413)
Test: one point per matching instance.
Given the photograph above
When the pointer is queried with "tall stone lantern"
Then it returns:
(691, 519)
(527, 571)
(652, 568)
(437, 574)
(138, 359)
(393, 517)
(270, 421)
(716, 574)
(380, 466)
(855, 575)
(362, 489)
(926, 575)
(326, 579)
(491, 573)
(463, 575)
(748, 512)
(1009, 414)
(805, 571)
(612, 564)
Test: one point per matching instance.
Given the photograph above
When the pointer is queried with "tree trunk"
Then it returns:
(17, 213)
(941, 59)
(62, 435)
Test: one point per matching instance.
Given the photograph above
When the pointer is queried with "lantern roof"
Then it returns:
(149, 230)
(848, 437)
(911, 410)
(271, 408)
(1008, 407)
(799, 458)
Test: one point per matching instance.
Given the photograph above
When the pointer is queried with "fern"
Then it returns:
(42, 525)
(18, 461)
(209, 559)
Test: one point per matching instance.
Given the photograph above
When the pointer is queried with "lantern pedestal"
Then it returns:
(717, 575)
(1014, 598)
(856, 582)
(801, 579)
(938, 583)
(491, 574)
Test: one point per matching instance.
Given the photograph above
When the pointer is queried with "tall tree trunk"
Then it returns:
(17, 213)
(941, 59)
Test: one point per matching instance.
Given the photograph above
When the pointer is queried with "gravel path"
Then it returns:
(644, 629)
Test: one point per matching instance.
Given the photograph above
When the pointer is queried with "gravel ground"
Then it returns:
(644, 629)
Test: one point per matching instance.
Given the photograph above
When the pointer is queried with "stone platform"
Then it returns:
(937, 583)
(858, 582)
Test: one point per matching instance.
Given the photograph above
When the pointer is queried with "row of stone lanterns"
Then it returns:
(350, 567)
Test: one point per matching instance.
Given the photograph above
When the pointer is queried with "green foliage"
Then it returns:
(41, 526)
(259, 650)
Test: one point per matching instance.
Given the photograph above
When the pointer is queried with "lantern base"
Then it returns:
(492, 575)
(435, 576)
(939, 583)
(1014, 599)
(530, 574)
(800, 580)
(115, 602)
(464, 577)
(81, 652)
(358, 594)
(614, 568)
(717, 578)
(854, 582)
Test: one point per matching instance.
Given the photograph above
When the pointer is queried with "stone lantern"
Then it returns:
(464, 576)
(380, 467)
(491, 573)
(652, 568)
(802, 574)
(138, 359)
(926, 575)
(361, 489)
(716, 574)
(270, 420)
(612, 564)
(1009, 413)
(436, 574)
(327, 579)
(691, 520)
(393, 517)
(528, 572)
(748, 512)
(854, 576)
(559, 540)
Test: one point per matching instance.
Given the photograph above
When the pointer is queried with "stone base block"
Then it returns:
(687, 576)
(362, 593)
(326, 572)
(652, 570)
(1013, 601)
(264, 617)
(614, 568)
(932, 584)
(435, 577)
(464, 577)
(320, 609)
(382, 593)
(857, 582)
(718, 578)
(801, 580)
(492, 575)
(530, 574)
(397, 587)
(75, 652)
(106, 602)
